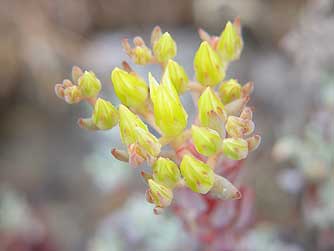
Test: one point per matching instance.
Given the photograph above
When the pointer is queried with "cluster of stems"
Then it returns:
(223, 125)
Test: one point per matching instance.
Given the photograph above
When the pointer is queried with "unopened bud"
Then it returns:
(133, 130)
(253, 142)
(164, 48)
(156, 34)
(175, 74)
(206, 140)
(147, 141)
(67, 83)
(72, 95)
(59, 90)
(87, 123)
(235, 148)
(140, 54)
(204, 35)
(247, 89)
(238, 127)
(198, 176)
(166, 172)
(230, 43)
(127, 122)
(235, 107)
(229, 91)
(105, 115)
(247, 113)
(211, 111)
(120, 155)
(208, 67)
(161, 196)
(76, 73)
(169, 113)
(130, 89)
(89, 85)
(223, 189)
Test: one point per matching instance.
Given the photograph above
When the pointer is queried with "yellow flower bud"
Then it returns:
(130, 89)
(238, 127)
(72, 94)
(141, 55)
(127, 121)
(211, 111)
(105, 115)
(164, 48)
(175, 74)
(209, 69)
(166, 172)
(229, 91)
(89, 84)
(133, 130)
(230, 43)
(147, 141)
(159, 194)
(169, 113)
(206, 140)
(235, 148)
(198, 176)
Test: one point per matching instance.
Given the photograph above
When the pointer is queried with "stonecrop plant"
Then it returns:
(222, 128)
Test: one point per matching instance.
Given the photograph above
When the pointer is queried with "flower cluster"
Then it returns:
(223, 125)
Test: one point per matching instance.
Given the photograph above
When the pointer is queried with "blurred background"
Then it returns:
(60, 188)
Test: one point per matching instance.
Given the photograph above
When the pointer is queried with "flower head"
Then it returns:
(178, 156)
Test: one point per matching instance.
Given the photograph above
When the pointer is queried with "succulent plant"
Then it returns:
(222, 128)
